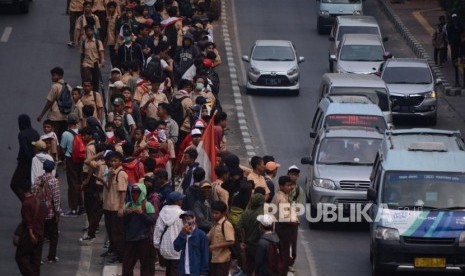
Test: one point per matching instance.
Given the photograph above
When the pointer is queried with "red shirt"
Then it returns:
(36, 223)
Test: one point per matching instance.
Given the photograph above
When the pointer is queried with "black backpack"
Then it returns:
(215, 79)
(154, 71)
(65, 101)
(177, 110)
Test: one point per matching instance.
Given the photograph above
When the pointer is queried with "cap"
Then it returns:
(175, 196)
(39, 145)
(117, 84)
(271, 166)
(118, 101)
(453, 15)
(48, 165)
(196, 132)
(199, 124)
(205, 185)
(72, 119)
(114, 69)
(293, 168)
(153, 144)
(266, 220)
(187, 213)
(47, 136)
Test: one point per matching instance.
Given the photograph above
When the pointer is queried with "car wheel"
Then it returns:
(23, 7)
(375, 269)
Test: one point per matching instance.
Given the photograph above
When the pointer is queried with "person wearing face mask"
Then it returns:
(201, 88)
(130, 51)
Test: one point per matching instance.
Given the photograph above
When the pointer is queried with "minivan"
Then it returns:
(371, 86)
(327, 10)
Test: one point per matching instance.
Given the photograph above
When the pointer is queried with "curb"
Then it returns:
(417, 48)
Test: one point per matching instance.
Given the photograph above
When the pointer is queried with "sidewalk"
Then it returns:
(415, 20)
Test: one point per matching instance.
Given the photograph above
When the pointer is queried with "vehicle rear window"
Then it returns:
(273, 53)
(348, 151)
(356, 30)
(378, 96)
(355, 120)
(362, 53)
(406, 75)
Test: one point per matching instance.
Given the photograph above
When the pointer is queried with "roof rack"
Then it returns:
(427, 146)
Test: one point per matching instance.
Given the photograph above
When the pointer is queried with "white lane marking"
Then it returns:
(84, 260)
(6, 34)
(308, 253)
(244, 77)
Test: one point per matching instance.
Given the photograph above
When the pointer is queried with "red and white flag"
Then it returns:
(207, 151)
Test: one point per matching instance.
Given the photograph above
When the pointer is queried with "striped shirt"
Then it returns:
(47, 188)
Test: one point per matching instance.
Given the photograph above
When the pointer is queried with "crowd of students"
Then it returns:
(131, 155)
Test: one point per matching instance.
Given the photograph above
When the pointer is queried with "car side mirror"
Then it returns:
(312, 134)
(371, 194)
(301, 59)
(246, 58)
(386, 38)
(331, 38)
(332, 57)
(306, 161)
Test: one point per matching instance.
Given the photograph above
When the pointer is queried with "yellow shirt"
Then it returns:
(216, 236)
(259, 181)
(54, 113)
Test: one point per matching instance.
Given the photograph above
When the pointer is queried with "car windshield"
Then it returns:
(407, 75)
(371, 121)
(273, 53)
(378, 96)
(342, 1)
(423, 189)
(348, 151)
(362, 53)
(356, 30)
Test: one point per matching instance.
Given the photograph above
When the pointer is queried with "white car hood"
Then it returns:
(406, 89)
(273, 66)
(359, 67)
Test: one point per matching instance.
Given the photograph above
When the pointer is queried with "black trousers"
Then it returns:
(22, 173)
(28, 257)
(114, 227)
(94, 211)
(51, 232)
(73, 176)
(172, 267)
(59, 127)
(287, 234)
(92, 73)
(219, 269)
(141, 251)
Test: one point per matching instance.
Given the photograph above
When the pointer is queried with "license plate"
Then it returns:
(430, 262)
(273, 82)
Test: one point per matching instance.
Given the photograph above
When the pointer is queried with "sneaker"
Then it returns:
(159, 268)
(291, 269)
(113, 260)
(86, 240)
(85, 229)
(70, 214)
(53, 260)
(107, 254)
(70, 44)
(97, 230)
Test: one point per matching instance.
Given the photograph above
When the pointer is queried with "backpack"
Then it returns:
(275, 261)
(97, 132)
(44, 195)
(79, 148)
(185, 8)
(65, 101)
(215, 80)
(154, 71)
(177, 110)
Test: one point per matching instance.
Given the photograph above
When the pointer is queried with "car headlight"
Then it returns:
(430, 95)
(324, 183)
(358, 12)
(293, 71)
(324, 13)
(387, 234)
(254, 71)
(462, 239)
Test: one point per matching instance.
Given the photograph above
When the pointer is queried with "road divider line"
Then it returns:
(6, 34)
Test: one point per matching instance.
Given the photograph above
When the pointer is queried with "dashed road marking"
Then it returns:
(6, 34)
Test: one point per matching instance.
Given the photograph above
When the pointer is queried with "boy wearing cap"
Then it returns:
(268, 236)
(50, 134)
(47, 189)
(193, 245)
(167, 228)
(221, 238)
(39, 159)
(271, 169)
(202, 206)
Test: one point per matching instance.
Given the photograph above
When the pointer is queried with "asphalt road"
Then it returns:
(280, 124)
(36, 44)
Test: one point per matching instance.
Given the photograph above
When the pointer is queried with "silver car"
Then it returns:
(412, 87)
(358, 53)
(274, 65)
(340, 166)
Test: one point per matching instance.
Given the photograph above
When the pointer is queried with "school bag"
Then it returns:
(65, 101)
(177, 110)
(213, 77)
(154, 71)
(275, 260)
(44, 194)
(79, 148)
(185, 8)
